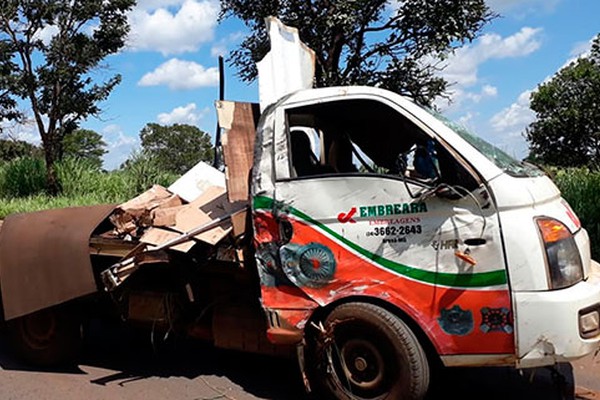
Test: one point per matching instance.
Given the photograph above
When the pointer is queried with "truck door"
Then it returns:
(368, 202)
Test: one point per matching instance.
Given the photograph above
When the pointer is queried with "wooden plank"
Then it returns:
(238, 121)
(110, 247)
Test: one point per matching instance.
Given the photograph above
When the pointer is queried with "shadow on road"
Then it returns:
(130, 357)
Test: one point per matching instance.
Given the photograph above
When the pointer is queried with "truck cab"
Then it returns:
(364, 201)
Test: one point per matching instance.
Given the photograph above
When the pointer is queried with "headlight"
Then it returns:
(562, 255)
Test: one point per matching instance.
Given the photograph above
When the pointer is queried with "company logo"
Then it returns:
(382, 210)
(347, 217)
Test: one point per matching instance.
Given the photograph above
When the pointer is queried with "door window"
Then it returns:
(368, 137)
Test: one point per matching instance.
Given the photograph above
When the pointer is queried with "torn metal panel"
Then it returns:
(289, 66)
(194, 182)
(239, 121)
(45, 258)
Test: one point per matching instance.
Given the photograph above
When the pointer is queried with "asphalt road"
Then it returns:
(119, 365)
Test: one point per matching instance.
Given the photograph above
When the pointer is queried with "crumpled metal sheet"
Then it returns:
(45, 258)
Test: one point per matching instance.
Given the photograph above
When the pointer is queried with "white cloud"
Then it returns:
(119, 146)
(489, 91)
(172, 32)
(149, 5)
(46, 33)
(466, 119)
(220, 48)
(26, 131)
(458, 96)
(514, 119)
(520, 8)
(182, 115)
(582, 48)
(178, 74)
(579, 50)
(462, 66)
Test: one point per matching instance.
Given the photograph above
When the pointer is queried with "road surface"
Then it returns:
(117, 365)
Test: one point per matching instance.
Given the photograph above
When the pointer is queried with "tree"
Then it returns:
(176, 148)
(11, 149)
(365, 42)
(84, 144)
(54, 74)
(566, 131)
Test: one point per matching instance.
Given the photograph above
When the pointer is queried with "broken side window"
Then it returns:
(367, 137)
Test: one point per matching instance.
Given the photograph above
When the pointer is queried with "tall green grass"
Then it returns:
(22, 184)
(581, 188)
(22, 177)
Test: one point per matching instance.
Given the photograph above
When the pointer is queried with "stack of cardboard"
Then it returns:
(160, 215)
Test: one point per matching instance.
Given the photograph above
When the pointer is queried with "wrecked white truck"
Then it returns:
(368, 235)
(379, 237)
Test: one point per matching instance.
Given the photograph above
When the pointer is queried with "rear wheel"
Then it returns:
(48, 337)
(366, 352)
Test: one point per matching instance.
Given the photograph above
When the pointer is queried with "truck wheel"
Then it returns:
(366, 352)
(48, 337)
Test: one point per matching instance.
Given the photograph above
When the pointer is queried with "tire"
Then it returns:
(366, 352)
(49, 337)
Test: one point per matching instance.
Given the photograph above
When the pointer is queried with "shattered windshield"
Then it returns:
(502, 160)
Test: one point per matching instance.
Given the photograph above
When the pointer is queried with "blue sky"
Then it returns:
(170, 76)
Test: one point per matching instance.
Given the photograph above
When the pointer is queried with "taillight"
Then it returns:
(562, 255)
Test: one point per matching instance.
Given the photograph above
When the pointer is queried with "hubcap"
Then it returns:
(363, 364)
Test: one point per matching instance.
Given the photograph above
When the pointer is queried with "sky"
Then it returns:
(169, 70)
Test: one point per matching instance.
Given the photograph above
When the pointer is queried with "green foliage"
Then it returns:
(143, 170)
(23, 177)
(22, 184)
(11, 149)
(566, 132)
(85, 144)
(55, 76)
(364, 42)
(580, 187)
(176, 148)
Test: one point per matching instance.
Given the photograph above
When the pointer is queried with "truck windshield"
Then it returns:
(502, 160)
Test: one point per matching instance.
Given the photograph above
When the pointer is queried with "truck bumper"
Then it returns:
(557, 326)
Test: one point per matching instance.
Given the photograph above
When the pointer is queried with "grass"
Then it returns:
(581, 188)
(22, 186)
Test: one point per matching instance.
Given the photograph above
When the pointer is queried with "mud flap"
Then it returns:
(45, 258)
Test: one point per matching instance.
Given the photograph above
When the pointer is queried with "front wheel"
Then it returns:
(48, 337)
(365, 352)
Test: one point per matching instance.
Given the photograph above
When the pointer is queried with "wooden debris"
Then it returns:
(212, 204)
(239, 121)
(148, 200)
(158, 236)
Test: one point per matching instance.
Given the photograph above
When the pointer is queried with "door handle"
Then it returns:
(475, 242)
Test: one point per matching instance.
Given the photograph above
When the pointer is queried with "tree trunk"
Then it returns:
(52, 183)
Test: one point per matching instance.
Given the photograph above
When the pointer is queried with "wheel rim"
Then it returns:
(363, 364)
(38, 329)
